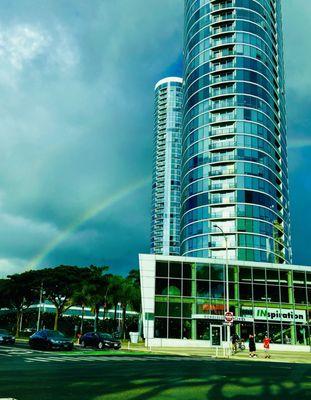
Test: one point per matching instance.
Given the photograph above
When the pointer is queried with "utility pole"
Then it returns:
(39, 309)
(227, 284)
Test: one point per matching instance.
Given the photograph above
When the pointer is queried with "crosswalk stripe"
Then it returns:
(74, 359)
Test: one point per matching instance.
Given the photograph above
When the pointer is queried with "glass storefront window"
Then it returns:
(160, 309)
(232, 273)
(284, 294)
(217, 272)
(246, 291)
(162, 269)
(247, 328)
(186, 310)
(233, 291)
(174, 328)
(203, 330)
(260, 293)
(186, 329)
(160, 327)
(273, 293)
(284, 277)
(286, 333)
(202, 271)
(161, 286)
(272, 277)
(260, 331)
(300, 294)
(186, 288)
(187, 271)
(299, 278)
(275, 333)
(302, 334)
(203, 289)
(177, 300)
(174, 288)
(175, 270)
(259, 275)
(174, 309)
(245, 275)
(217, 290)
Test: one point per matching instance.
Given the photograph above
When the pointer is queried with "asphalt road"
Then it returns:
(27, 374)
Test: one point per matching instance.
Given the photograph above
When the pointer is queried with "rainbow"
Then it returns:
(87, 215)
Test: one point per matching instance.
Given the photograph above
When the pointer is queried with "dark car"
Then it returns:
(49, 340)
(100, 340)
(6, 337)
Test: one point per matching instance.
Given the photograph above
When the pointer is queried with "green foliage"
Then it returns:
(18, 292)
(65, 286)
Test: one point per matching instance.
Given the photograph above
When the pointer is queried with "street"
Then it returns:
(27, 374)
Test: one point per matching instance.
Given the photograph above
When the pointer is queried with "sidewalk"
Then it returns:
(276, 356)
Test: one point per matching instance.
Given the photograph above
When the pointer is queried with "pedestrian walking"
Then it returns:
(252, 346)
(266, 346)
(234, 340)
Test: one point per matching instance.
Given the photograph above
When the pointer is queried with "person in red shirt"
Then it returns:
(266, 346)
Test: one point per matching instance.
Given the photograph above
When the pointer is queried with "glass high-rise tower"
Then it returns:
(165, 224)
(234, 158)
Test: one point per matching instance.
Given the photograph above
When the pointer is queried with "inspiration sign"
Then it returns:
(277, 314)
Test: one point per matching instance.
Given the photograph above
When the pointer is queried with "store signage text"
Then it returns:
(275, 314)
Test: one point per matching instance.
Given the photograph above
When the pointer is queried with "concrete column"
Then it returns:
(291, 299)
(193, 307)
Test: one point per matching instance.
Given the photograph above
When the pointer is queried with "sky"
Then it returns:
(76, 112)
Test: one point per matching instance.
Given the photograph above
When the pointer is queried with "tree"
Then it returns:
(129, 295)
(96, 290)
(81, 298)
(18, 293)
(59, 285)
(114, 293)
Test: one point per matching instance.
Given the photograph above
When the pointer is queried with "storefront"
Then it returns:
(184, 301)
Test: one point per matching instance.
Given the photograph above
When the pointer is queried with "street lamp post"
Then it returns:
(227, 284)
(39, 309)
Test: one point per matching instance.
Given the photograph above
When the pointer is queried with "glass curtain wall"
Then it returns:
(190, 297)
(234, 151)
(165, 224)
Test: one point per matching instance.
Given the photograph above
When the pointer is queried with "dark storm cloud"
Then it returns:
(76, 107)
(76, 103)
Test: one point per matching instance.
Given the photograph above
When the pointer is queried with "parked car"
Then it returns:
(100, 340)
(6, 337)
(49, 340)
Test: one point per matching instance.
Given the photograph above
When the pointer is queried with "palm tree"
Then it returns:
(91, 291)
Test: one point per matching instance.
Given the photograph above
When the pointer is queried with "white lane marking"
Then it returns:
(37, 359)
(86, 358)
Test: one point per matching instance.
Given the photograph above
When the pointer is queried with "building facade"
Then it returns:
(183, 301)
(165, 224)
(234, 156)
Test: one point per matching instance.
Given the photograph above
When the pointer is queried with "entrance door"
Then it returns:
(216, 335)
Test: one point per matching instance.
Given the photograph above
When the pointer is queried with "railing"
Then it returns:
(219, 67)
(223, 53)
(223, 17)
(221, 41)
(220, 91)
(222, 172)
(223, 215)
(221, 145)
(222, 78)
(222, 117)
(228, 157)
(223, 29)
(221, 6)
(220, 131)
(222, 186)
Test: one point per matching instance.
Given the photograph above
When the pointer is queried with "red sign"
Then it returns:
(229, 316)
(213, 307)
